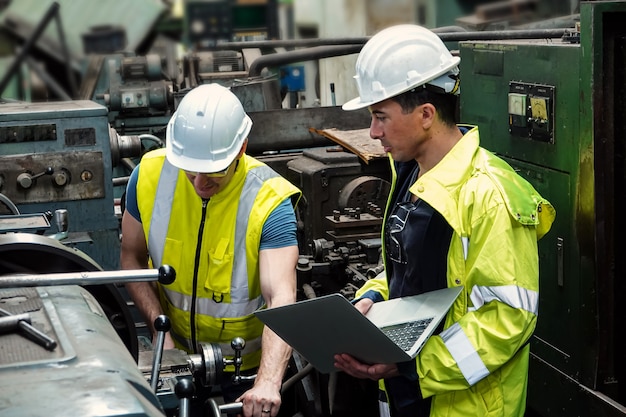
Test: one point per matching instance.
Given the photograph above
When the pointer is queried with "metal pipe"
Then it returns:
(295, 378)
(298, 55)
(164, 274)
(445, 33)
(502, 35)
(307, 43)
(356, 44)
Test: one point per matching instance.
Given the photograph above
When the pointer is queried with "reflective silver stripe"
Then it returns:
(465, 243)
(253, 183)
(251, 346)
(466, 357)
(208, 307)
(512, 295)
(240, 304)
(161, 212)
(383, 409)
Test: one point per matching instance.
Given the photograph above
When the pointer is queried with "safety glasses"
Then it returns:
(218, 174)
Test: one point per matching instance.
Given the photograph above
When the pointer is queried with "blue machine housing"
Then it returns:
(57, 155)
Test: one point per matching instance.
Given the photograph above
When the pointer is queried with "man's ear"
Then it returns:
(429, 113)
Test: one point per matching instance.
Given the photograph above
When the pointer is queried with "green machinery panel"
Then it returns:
(499, 99)
(554, 111)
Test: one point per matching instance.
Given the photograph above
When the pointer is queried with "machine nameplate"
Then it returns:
(26, 133)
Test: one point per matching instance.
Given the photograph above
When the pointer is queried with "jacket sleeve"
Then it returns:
(501, 280)
(376, 288)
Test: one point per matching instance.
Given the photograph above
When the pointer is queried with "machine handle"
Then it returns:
(231, 408)
(165, 275)
(26, 180)
(162, 325)
(184, 390)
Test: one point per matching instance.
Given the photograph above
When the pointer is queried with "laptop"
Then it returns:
(392, 331)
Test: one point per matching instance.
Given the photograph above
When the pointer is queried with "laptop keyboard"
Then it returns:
(405, 334)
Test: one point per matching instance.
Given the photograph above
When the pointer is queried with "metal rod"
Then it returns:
(10, 323)
(162, 325)
(298, 55)
(163, 275)
(32, 333)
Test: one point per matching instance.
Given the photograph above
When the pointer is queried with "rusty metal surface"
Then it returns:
(287, 129)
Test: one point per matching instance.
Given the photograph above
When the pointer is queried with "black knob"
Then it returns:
(167, 274)
(162, 323)
(184, 388)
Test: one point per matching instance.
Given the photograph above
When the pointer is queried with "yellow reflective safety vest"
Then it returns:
(214, 248)
(478, 366)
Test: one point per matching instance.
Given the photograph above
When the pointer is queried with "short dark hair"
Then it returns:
(446, 104)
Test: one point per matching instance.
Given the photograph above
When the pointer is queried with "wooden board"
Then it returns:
(357, 141)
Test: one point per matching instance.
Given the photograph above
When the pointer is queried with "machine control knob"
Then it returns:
(26, 180)
(162, 323)
(167, 274)
(184, 390)
(60, 178)
(238, 344)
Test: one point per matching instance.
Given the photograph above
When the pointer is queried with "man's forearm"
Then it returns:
(146, 300)
(274, 359)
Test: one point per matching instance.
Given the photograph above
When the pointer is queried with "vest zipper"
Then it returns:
(196, 266)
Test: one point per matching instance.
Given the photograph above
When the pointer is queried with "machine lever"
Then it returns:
(165, 275)
(25, 179)
(238, 344)
(184, 390)
(29, 331)
(230, 408)
(162, 325)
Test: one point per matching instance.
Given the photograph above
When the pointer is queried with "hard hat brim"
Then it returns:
(202, 166)
(357, 103)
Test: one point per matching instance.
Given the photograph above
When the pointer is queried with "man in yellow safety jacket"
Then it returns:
(225, 222)
(457, 215)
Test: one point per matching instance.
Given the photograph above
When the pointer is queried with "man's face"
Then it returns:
(207, 185)
(401, 134)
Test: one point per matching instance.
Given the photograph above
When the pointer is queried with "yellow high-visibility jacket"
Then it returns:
(478, 366)
(213, 248)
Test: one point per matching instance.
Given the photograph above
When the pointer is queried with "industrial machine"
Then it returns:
(548, 103)
(553, 110)
(55, 326)
(60, 155)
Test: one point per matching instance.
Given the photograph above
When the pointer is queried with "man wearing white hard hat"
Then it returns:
(457, 216)
(225, 222)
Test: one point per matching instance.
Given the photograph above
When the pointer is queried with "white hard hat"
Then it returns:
(206, 132)
(400, 58)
